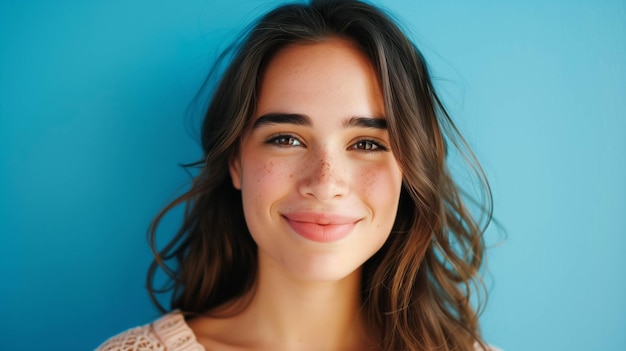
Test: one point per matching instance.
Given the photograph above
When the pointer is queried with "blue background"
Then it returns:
(93, 122)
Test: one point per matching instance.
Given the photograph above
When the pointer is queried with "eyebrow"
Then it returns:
(366, 122)
(282, 118)
(303, 120)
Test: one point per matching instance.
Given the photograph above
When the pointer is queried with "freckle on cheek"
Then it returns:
(367, 179)
(267, 168)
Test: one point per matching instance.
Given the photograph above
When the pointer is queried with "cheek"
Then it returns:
(263, 178)
(381, 185)
(381, 180)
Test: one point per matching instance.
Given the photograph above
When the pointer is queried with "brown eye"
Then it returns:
(368, 145)
(284, 140)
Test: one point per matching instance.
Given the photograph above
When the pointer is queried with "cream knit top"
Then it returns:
(168, 333)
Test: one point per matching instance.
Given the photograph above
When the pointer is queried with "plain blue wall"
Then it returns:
(93, 99)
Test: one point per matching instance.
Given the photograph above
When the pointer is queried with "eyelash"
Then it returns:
(365, 145)
(373, 145)
(275, 140)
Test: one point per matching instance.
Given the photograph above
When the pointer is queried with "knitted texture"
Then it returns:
(169, 333)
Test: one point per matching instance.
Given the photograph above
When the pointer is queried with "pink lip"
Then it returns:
(320, 227)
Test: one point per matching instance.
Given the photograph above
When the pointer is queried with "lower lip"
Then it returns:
(319, 232)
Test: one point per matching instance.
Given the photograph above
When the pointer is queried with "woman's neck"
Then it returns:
(285, 313)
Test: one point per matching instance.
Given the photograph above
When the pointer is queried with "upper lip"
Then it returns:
(321, 218)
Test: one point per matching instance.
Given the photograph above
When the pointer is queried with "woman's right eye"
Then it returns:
(284, 141)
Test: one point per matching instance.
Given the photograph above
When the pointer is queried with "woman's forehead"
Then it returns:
(326, 77)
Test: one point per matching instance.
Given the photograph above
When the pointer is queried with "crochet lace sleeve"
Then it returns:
(136, 339)
(170, 333)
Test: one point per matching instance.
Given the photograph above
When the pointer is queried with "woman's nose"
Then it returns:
(324, 177)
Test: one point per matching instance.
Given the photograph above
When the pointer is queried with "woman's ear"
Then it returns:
(234, 167)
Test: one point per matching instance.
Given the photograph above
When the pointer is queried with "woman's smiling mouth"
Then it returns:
(320, 227)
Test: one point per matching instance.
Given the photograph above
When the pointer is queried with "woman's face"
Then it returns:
(319, 183)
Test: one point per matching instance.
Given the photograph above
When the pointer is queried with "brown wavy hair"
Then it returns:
(416, 289)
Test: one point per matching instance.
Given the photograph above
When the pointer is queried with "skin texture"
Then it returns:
(320, 190)
(321, 167)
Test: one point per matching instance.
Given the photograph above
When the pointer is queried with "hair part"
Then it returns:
(416, 289)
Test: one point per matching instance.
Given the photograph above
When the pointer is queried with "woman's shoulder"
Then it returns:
(168, 333)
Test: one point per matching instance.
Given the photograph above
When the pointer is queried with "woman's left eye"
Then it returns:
(368, 145)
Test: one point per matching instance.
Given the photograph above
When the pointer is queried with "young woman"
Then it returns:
(324, 217)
